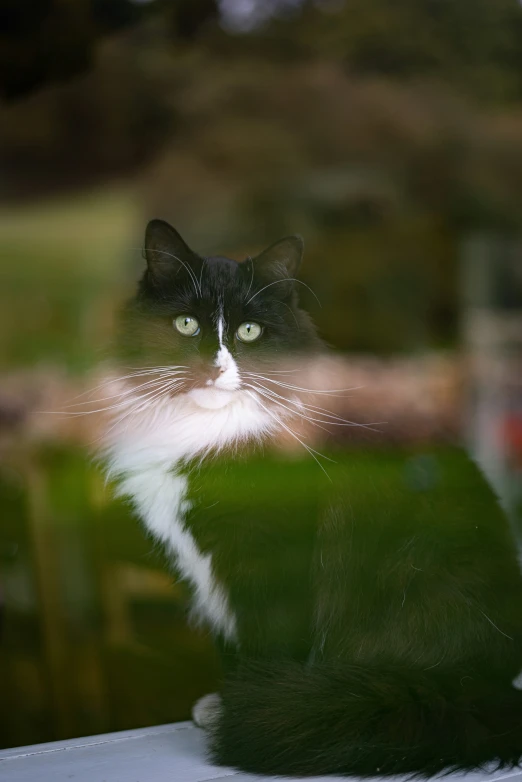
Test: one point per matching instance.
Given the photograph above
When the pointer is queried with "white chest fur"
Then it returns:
(145, 455)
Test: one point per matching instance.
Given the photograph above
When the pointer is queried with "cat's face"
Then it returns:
(214, 323)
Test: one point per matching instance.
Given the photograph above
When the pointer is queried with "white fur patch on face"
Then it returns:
(228, 379)
(221, 328)
(219, 392)
(224, 360)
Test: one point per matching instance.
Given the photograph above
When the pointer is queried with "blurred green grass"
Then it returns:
(62, 269)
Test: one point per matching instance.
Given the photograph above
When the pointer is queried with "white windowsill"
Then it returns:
(166, 753)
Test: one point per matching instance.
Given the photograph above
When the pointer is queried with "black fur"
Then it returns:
(379, 623)
(378, 632)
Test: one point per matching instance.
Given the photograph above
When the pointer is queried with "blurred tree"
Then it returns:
(42, 41)
(382, 132)
(45, 41)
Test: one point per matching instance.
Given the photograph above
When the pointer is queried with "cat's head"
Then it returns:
(215, 322)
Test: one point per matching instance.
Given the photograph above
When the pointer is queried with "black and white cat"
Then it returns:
(377, 634)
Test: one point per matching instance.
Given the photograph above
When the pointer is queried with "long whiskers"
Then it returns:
(278, 372)
(285, 279)
(144, 371)
(313, 453)
(332, 418)
(128, 392)
(270, 398)
(145, 401)
(307, 412)
(185, 266)
(252, 276)
(126, 397)
(329, 392)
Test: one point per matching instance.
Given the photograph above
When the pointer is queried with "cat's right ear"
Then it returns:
(165, 250)
(281, 259)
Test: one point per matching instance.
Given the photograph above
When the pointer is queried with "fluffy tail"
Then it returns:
(285, 718)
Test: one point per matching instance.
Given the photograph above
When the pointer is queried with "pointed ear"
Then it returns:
(281, 260)
(165, 250)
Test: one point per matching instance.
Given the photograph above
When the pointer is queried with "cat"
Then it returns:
(375, 628)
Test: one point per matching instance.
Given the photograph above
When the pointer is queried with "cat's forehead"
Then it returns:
(222, 264)
(207, 287)
(221, 278)
(218, 269)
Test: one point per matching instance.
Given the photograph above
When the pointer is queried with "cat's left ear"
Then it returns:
(281, 260)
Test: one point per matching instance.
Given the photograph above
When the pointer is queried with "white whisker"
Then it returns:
(154, 367)
(329, 392)
(74, 414)
(185, 266)
(310, 450)
(331, 418)
(145, 400)
(279, 372)
(292, 313)
(285, 279)
(252, 277)
(271, 398)
(162, 376)
(495, 626)
(201, 275)
(138, 373)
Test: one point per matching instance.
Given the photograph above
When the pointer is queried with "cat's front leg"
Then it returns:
(207, 710)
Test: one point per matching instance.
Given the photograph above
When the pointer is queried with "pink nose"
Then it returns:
(215, 372)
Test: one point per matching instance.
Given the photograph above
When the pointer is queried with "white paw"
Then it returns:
(206, 711)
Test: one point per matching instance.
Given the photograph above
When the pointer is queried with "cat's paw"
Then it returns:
(206, 711)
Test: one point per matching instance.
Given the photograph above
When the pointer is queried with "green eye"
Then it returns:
(249, 332)
(187, 325)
